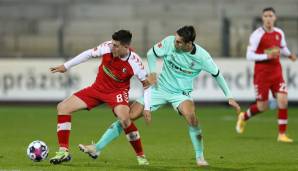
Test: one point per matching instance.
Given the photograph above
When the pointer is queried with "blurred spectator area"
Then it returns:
(55, 28)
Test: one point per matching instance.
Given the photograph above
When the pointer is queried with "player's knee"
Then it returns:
(263, 107)
(62, 108)
(125, 122)
(283, 103)
(134, 115)
(192, 120)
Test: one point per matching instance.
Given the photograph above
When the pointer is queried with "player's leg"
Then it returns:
(280, 92)
(64, 109)
(187, 109)
(261, 105)
(131, 131)
(253, 110)
(115, 129)
(136, 109)
(282, 102)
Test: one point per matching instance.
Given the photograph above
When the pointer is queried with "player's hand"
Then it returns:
(152, 78)
(293, 57)
(272, 53)
(60, 68)
(147, 116)
(235, 105)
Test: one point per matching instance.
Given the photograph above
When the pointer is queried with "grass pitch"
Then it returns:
(166, 141)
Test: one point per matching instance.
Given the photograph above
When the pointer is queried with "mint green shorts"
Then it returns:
(160, 97)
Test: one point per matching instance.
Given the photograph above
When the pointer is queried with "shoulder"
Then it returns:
(202, 53)
(257, 33)
(168, 40)
(134, 57)
(135, 60)
(105, 47)
(278, 30)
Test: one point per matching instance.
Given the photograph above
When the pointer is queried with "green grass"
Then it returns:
(165, 141)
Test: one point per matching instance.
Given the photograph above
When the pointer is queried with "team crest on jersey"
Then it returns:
(124, 70)
(159, 45)
(276, 37)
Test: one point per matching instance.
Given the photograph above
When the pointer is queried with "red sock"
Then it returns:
(63, 130)
(282, 120)
(133, 137)
(251, 111)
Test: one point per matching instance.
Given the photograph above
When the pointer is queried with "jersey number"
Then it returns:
(119, 98)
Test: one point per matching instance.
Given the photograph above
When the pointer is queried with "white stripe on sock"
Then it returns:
(248, 113)
(282, 121)
(64, 126)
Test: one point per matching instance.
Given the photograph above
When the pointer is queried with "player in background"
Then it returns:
(183, 60)
(266, 44)
(111, 86)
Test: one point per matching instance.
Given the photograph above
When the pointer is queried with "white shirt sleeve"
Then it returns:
(147, 98)
(137, 66)
(284, 49)
(90, 53)
(139, 71)
(254, 41)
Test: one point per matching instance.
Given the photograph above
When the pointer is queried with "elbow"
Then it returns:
(249, 56)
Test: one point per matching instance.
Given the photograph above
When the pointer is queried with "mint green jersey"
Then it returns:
(181, 68)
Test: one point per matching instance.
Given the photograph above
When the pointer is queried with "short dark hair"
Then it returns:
(269, 9)
(188, 33)
(123, 36)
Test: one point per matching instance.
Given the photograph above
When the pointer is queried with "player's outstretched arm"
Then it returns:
(60, 68)
(224, 87)
(82, 57)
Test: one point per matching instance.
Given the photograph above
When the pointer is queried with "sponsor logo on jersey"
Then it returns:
(110, 74)
(178, 68)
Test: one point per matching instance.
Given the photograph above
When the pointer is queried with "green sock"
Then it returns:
(111, 133)
(196, 139)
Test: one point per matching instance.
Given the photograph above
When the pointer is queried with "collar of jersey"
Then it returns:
(126, 57)
(194, 49)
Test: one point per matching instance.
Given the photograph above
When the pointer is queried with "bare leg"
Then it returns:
(187, 109)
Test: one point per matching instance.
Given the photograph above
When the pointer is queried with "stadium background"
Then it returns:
(38, 34)
(35, 31)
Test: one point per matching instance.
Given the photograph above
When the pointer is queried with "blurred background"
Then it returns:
(37, 34)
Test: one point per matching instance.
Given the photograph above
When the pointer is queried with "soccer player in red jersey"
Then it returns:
(111, 86)
(266, 44)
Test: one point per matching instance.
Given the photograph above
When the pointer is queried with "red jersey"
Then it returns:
(114, 73)
(260, 41)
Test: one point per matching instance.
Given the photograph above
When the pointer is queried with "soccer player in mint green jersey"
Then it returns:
(183, 60)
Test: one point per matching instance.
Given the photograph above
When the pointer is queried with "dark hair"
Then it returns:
(188, 33)
(269, 9)
(123, 36)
